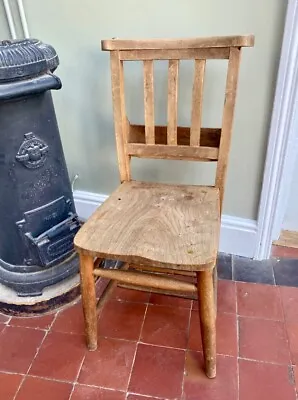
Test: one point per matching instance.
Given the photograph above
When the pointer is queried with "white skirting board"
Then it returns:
(238, 235)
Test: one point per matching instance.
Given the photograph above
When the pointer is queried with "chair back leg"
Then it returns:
(207, 313)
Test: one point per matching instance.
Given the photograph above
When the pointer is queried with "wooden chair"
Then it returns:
(159, 229)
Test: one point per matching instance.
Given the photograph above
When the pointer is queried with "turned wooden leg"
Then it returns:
(89, 300)
(215, 288)
(208, 320)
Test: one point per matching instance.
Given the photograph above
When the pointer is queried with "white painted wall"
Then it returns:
(84, 106)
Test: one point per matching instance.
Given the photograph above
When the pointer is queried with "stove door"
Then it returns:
(48, 232)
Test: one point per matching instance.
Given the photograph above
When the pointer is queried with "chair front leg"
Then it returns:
(89, 300)
(215, 283)
(207, 312)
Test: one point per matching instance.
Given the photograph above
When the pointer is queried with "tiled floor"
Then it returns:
(283, 251)
(150, 348)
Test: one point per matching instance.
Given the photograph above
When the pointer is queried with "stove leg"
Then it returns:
(89, 300)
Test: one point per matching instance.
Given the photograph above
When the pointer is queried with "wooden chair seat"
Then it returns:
(170, 226)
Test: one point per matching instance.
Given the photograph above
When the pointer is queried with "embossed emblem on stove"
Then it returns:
(32, 152)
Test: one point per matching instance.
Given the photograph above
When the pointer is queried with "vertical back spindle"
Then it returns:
(149, 102)
(172, 102)
(197, 101)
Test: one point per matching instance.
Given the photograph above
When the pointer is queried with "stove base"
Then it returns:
(31, 284)
(52, 298)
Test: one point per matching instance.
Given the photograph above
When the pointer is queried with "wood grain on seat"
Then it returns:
(174, 226)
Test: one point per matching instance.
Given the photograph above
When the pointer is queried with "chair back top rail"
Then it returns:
(172, 44)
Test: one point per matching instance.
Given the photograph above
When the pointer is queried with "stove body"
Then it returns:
(37, 212)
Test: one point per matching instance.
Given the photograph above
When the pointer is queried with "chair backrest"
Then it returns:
(171, 141)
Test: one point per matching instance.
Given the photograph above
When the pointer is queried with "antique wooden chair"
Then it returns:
(160, 229)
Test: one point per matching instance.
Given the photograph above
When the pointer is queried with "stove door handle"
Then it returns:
(66, 226)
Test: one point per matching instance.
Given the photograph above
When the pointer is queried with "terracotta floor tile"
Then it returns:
(4, 318)
(226, 297)
(172, 301)
(263, 340)
(139, 397)
(260, 381)
(135, 296)
(157, 371)
(82, 392)
(256, 300)
(70, 320)
(121, 320)
(37, 389)
(284, 252)
(166, 326)
(110, 365)
(59, 357)
(295, 367)
(292, 329)
(198, 386)
(18, 347)
(289, 298)
(41, 322)
(226, 333)
(9, 384)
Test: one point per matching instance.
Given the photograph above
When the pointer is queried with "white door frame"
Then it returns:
(282, 143)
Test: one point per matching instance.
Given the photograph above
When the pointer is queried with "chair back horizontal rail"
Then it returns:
(194, 153)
